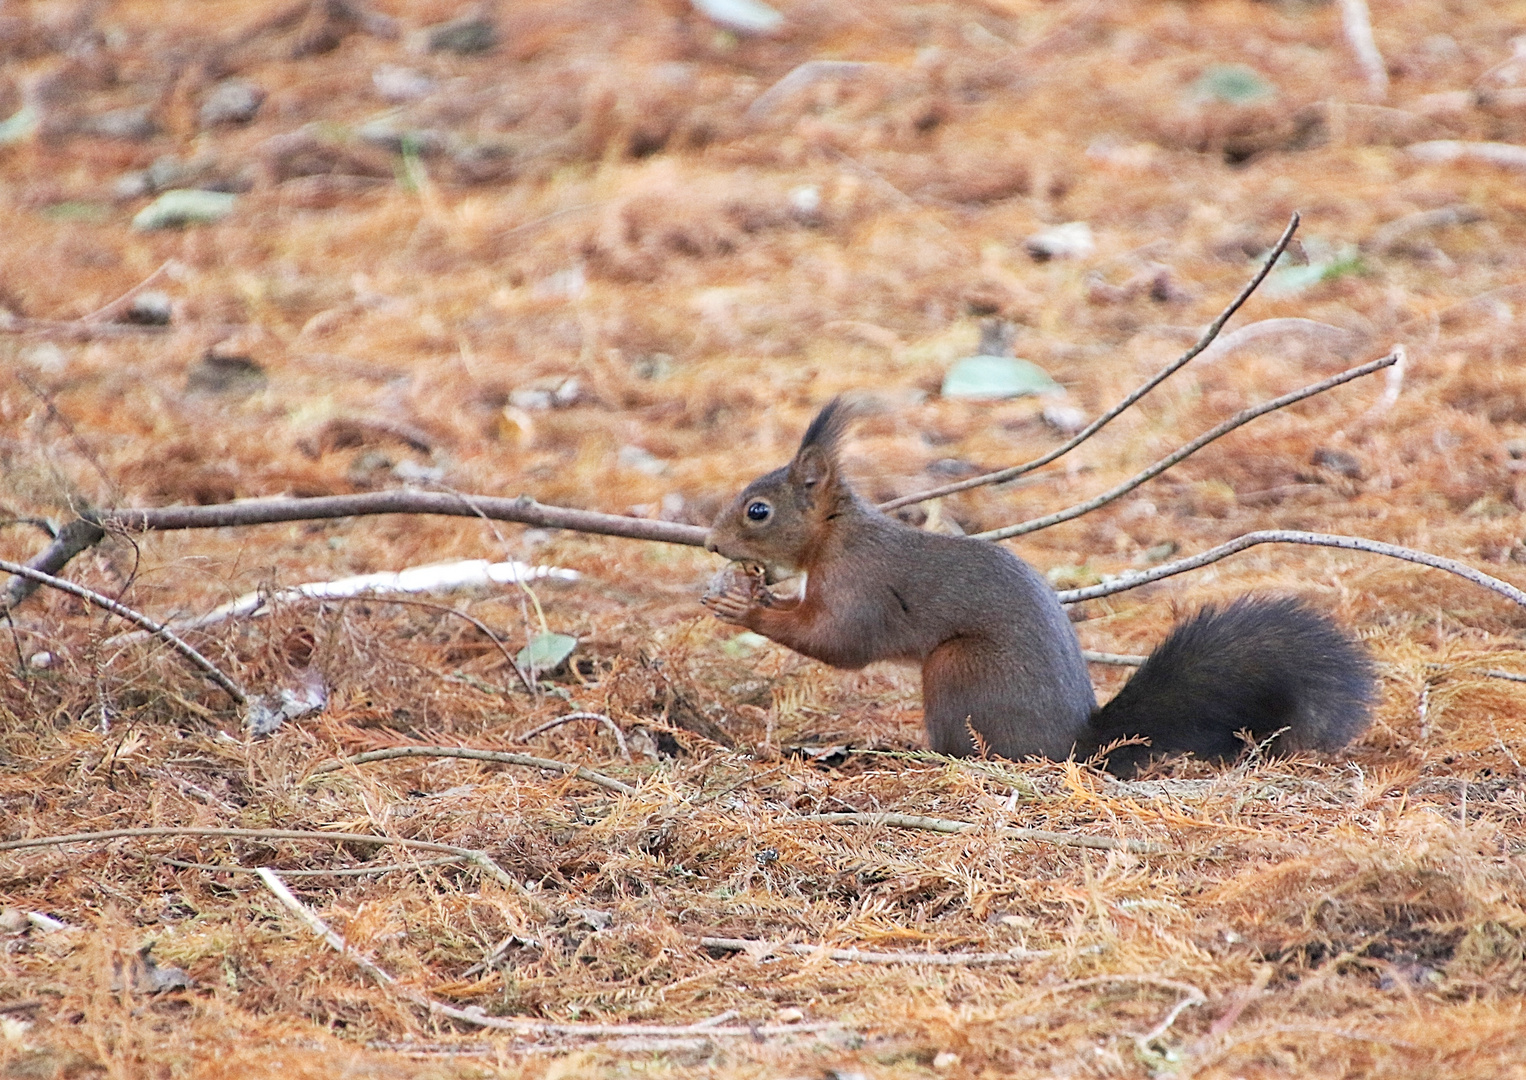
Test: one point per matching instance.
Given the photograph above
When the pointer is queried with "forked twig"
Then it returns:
(501, 757)
(1003, 475)
(1290, 536)
(944, 825)
(1183, 452)
(211, 670)
(75, 537)
(614, 729)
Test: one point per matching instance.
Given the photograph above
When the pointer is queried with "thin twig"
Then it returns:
(614, 729)
(75, 330)
(1112, 659)
(1181, 453)
(1003, 475)
(480, 859)
(546, 219)
(499, 756)
(944, 825)
(344, 871)
(1190, 996)
(863, 956)
(1290, 536)
(479, 1018)
(108, 312)
(231, 688)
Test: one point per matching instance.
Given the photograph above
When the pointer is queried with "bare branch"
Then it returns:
(500, 756)
(614, 729)
(1238, 420)
(79, 535)
(1003, 475)
(524, 510)
(1289, 536)
(864, 956)
(73, 538)
(944, 825)
(231, 688)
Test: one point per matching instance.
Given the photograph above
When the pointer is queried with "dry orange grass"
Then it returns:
(592, 201)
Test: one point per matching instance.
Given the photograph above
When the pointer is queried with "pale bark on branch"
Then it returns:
(1290, 536)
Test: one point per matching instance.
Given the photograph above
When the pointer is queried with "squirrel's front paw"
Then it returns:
(734, 591)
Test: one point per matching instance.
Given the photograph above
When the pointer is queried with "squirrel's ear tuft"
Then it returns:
(826, 431)
(814, 468)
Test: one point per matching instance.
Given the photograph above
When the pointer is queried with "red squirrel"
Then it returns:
(998, 654)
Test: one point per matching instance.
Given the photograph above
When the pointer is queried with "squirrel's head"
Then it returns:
(777, 518)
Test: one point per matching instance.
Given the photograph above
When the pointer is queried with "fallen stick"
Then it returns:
(1003, 475)
(211, 670)
(944, 825)
(1290, 536)
(523, 510)
(501, 757)
(1183, 452)
(479, 1018)
(864, 956)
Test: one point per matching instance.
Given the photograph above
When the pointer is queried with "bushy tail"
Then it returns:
(1258, 665)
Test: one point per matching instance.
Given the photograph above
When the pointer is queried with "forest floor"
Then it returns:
(600, 254)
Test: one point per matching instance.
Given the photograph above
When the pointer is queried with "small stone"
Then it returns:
(13, 921)
(805, 204)
(1338, 462)
(149, 309)
(1066, 419)
(232, 101)
(214, 374)
(40, 660)
(133, 124)
(741, 16)
(1072, 240)
(181, 207)
(400, 85)
(945, 1059)
(790, 1016)
(641, 460)
(464, 36)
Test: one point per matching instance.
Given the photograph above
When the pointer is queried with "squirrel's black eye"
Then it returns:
(758, 511)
